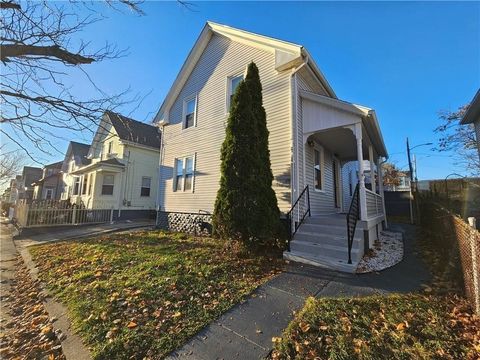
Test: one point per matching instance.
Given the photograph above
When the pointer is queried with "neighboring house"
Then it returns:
(472, 116)
(120, 170)
(49, 187)
(404, 185)
(75, 158)
(315, 140)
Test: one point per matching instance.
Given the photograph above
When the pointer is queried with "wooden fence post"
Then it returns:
(111, 215)
(473, 247)
(74, 214)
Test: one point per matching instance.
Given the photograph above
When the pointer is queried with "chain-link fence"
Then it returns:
(456, 242)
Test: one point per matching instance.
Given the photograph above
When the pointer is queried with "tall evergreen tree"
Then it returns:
(267, 213)
(235, 202)
(246, 206)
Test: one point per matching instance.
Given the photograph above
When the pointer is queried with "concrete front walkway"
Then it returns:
(246, 331)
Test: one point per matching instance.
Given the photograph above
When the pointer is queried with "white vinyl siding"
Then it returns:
(321, 202)
(223, 58)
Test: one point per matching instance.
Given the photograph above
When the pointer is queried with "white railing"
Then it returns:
(374, 204)
(58, 213)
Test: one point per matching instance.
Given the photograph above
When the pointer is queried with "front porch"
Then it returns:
(342, 150)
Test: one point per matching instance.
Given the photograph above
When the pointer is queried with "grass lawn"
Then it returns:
(436, 323)
(143, 294)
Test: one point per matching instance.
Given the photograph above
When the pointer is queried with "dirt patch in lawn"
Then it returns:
(143, 294)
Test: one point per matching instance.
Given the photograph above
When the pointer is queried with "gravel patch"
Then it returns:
(386, 252)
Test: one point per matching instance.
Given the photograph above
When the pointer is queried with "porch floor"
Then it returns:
(322, 241)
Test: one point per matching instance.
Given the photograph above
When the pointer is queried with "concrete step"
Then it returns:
(329, 239)
(321, 261)
(325, 250)
(336, 230)
(339, 219)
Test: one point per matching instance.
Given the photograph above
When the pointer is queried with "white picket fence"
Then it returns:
(58, 213)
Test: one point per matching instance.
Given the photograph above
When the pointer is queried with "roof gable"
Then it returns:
(287, 56)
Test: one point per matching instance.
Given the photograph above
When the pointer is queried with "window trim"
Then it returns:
(149, 188)
(184, 163)
(112, 185)
(76, 179)
(46, 192)
(186, 100)
(320, 150)
(228, 86)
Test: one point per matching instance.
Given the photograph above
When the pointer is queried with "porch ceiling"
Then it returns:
(341, 142)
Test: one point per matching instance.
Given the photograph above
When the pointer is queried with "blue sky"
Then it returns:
(406, 60)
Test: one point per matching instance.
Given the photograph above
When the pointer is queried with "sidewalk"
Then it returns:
(38, 236)
(8, 254)
(246, 331)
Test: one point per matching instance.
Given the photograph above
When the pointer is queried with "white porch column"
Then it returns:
(372, 167)
(380, 188)
(361, 172)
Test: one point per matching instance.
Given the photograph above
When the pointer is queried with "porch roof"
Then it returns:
(338, 116)
(105, 165)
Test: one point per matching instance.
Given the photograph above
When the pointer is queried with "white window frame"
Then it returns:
(110, 147)
(149, 187)
(228, 86)
(184, 111)
(46, 192)
(321, 152)
(184, 165)
(76, 179)
(103, 184)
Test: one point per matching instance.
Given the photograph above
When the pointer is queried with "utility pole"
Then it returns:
(411, 181)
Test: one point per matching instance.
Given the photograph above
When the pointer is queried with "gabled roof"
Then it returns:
(134, 131)
(473, 112)
(79, 153)
(56, 165)
(287, 55)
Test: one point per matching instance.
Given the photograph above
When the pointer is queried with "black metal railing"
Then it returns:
(352, 217)
(292, 228)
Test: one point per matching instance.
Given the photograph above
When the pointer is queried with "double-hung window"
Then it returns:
(233, 82)
(318, 169)
(189, 112)
(107, 185)
(184, 174)
(146, 183)
(76, 185)
(84, 184)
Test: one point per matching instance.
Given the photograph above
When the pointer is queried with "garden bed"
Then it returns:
(143, 294)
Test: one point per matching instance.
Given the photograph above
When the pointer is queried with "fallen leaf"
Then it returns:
(304, 327)
(131, 325)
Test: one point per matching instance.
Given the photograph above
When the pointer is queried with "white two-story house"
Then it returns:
(315, 141)
(119, 169)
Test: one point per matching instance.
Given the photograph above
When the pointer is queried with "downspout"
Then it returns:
(159, 177)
